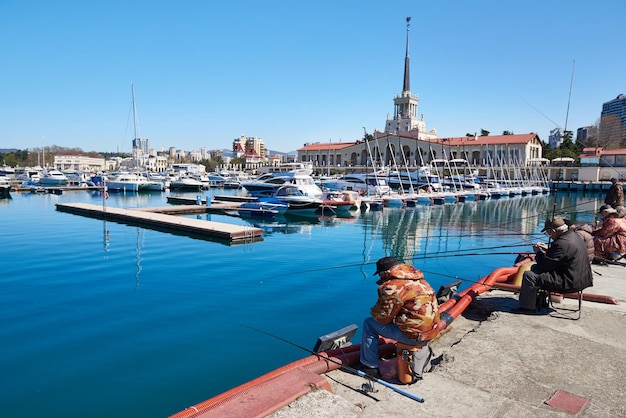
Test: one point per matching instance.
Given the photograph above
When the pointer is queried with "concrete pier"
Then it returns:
(495, 363)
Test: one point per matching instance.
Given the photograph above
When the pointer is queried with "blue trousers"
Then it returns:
(372, 329)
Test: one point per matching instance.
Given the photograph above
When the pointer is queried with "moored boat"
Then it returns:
(340, 203)
(298, 202)
(363, 183)
(267, 184)
(264, 208)
(125, 182)
(53, 178)
(185, 184)
(5, 188)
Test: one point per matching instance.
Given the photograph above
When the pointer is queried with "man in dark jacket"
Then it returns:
(615, 195)
(562, 268)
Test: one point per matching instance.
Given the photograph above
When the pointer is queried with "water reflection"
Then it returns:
(410, 232)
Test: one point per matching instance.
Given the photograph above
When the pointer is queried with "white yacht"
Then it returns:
(53, 178)
(364, 183)
(185, 184)
(126, 182)
(267, 184)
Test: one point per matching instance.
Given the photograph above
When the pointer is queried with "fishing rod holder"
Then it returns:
(337, 339)
(448, 291)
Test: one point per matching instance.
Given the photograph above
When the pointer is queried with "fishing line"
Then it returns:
(436, 255)
(341, 365)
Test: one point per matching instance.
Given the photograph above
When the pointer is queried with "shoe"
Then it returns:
(370, 371)
(524, 311)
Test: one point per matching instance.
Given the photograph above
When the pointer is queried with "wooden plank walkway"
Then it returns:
(232, 234)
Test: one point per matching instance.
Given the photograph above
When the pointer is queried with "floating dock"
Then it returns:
(232, 234)
(182, 200)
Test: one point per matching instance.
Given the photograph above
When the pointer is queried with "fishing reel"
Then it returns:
(368, 387)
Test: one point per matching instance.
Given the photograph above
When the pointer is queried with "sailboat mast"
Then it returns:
(132, 91)
(569, 97)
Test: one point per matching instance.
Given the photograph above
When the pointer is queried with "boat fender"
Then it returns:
(520, 273)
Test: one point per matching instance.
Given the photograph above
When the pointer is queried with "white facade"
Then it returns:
(155, 163)
(78, 163)
(189, 168)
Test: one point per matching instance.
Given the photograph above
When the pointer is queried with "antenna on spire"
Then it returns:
(407, 83)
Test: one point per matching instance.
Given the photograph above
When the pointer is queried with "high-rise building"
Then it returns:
(613, 119)
(249, 147)
(556, 138)
(585, 133)
(140, 147)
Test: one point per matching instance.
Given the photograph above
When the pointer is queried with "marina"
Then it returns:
(158, 317)
(230, 260)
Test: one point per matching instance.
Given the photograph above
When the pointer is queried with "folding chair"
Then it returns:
(567, 313)
(544, 301)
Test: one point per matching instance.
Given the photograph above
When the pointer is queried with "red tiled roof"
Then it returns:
(332, 146)
(616, 151)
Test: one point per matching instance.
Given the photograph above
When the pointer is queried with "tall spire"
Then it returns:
(407, 81)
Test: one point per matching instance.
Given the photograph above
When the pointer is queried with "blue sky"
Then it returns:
(292, 72)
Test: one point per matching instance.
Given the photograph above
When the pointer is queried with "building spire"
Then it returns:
(407, 82)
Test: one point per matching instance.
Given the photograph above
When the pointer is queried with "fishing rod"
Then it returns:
(476, 254)
(556, 189)
(343, 366)
(417, 258)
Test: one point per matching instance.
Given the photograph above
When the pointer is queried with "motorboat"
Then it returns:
(297, 201)
(340, 203)
(126, 182)
(29, 174)
(5, 188)
(53, 178)
(394, 200)
(234, 180)
(185, 184)
(371, 203)
(364, 183)
(209, 180)
(267, 184)
(263, 208)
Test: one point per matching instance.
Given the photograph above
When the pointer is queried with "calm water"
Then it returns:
(104, 319)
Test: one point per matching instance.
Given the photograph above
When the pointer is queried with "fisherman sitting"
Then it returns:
(610, 239)
(406, 311)
(562, 268)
